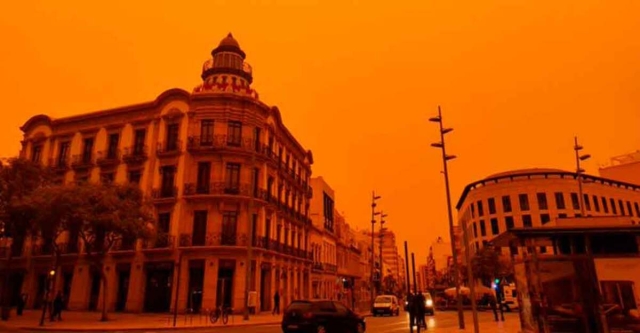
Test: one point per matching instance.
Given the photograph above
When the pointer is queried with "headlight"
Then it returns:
(406, 303)
(429, 302)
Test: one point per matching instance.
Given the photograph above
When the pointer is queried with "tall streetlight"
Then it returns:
(579, 171)
(382, 222)
(374, 198)
(445, 159)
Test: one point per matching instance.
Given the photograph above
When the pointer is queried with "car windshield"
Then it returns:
(426, 296)
(383, 299)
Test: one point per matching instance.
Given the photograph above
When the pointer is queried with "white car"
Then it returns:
(385, 304)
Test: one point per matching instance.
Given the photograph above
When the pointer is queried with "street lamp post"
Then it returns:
(579, 171)
(445, 159)
(47, 295)
(382, 222)
(374, 198)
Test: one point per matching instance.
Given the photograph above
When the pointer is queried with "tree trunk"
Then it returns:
(103, 278)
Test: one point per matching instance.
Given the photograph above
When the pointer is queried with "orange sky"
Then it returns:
(356, 81)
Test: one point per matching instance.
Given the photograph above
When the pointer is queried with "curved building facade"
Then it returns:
(534, 197)
(214, 162)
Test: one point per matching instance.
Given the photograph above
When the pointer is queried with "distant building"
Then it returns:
(623, 168)
(441, 251)
(535, 197)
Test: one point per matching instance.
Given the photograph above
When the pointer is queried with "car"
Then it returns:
(429, 305)
(385, 304)
(321, 316)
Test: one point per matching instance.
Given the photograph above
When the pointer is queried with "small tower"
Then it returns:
(226, 71)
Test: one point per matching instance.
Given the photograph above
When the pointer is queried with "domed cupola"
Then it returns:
(227, 71)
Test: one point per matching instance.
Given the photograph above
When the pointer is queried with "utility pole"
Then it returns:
(250, 219)
(406, 266)
(579, 171)
(445, 159)
(472, 283)
(382, 221)
(374, 198)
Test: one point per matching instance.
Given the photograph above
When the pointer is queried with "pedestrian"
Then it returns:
(276, 303)
(58, 304)
(21, 302)
(493, 304)
(499, 304)
(410, 309)
(421, 310)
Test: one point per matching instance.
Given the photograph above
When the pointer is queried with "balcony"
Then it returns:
(82, 161)
(169, 148)
(42, 249)
(135, 154)
(108, 158)
(165, 192)
(331, 268)
(124, 245)
(213, 239)
(68, 247)
(224, 188)
(216, 143)
(161, 241)
(317, 266)
(60, 164)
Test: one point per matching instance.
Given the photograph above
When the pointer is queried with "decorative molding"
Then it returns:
(137, 124)
(114, 128)
(173, 115)
(89, 132)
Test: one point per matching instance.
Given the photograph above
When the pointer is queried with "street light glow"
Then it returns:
(52, 272)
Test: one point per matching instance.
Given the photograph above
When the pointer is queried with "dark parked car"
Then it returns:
(321, 316)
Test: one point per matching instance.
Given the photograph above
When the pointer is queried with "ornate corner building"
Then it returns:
(214, 162)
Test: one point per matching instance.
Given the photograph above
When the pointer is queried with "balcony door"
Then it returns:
(168, 180)
(173, 131)
(204, 177)
(199, 230)
(229, 227)
(232, 178)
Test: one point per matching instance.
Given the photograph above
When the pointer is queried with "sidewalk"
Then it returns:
(90, 321)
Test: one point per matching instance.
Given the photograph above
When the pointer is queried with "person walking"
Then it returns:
(21, 302)
(58, 303)
(411, 310)
(498, 300)
(276, 303)
(421, 310)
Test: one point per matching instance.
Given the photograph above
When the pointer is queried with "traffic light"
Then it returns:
(496, 281)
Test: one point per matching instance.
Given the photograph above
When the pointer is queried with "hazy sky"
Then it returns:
(356, 82)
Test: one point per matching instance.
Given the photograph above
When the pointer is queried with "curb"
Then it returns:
(138, 329)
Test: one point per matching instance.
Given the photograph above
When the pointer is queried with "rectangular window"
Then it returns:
(108, 177)
(112, 146)
(480, 209)
(629, 210)
(255, 181)
(270, 182)
(587, 202)
(164, 222)
(542, 201)
(526, 221)
(562, 216)
(621, 206)
(36, 154)
(560, 204)
(206, 132)
(63, 155)
(575, 201)
(204, 177)
(257, 144)
(234, 133)
(605, 206)
(173, 134)
(473, 210)
(87, 150)
(232, 177)
(139, 141)
(267, 229)
(506, 204)
(229, 228)
(475, 230)
(545, 218)
(614, 210)
(483, 229)
(199, 229)
(495, 228)
(596, 203)
(254, 228)
(134, 177)
(637, 207)
(508, 221)
(492, 205)
(167, 184)
(524, 202)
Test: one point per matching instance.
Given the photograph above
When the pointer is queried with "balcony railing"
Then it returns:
(123, 244)
(108, 158)
(68, 247)
(59, 164)
(165, 192)
(82, 161)
(224, 188)
(135, 154)
(220, 142)
(318, 266)
(41, 249)
(331, 268)
(169, 148)
(161, 241)
(213, 239)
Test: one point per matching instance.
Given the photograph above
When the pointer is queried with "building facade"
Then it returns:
(535, 197)
(624, 168)
(216, 163)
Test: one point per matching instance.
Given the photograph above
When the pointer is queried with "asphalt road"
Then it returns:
(439, 322)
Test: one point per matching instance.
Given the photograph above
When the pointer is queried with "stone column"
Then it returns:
(80, 288)
(137, 285)
(209, 288)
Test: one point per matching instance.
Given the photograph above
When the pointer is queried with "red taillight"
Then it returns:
(307, 315)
